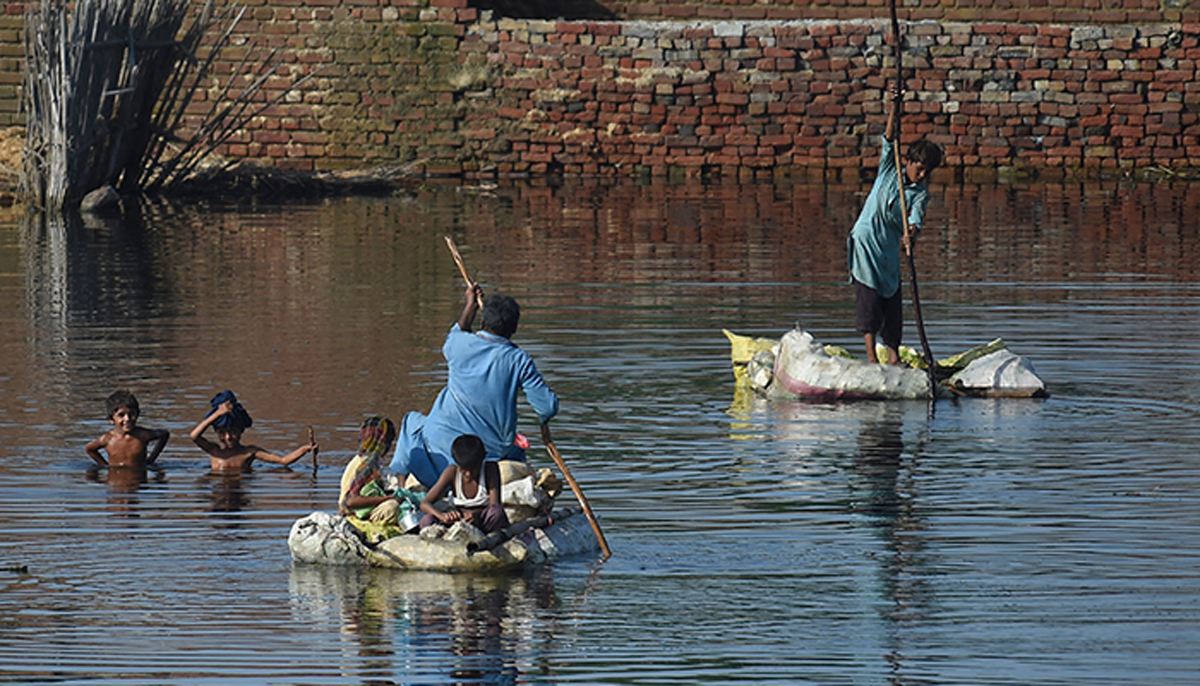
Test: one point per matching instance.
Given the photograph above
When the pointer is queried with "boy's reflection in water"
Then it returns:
(123, 486)
(227, 492)
(883, 492)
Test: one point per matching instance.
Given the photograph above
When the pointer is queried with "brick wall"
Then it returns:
(766, 94)
(1000, 11)
(12, 49)
(449, 89)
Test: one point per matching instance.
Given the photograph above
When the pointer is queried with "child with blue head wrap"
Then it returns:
(237, 415)
(230, 420)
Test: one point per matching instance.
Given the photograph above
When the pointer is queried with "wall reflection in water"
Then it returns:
(94, 288)
(407, 626)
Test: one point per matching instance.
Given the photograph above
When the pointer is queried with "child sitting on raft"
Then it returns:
(362, 491)
(231, 420)
(476, 485)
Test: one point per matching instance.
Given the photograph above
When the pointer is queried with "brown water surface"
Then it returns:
(998, 542)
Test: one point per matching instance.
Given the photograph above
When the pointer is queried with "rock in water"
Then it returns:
(103, 197)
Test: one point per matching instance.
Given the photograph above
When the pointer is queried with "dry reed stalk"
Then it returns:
(106, 86)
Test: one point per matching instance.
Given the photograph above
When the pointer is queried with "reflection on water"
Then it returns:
(882, 491)
(418, 625)
(1014, 542)
(227, 492)
(123, 486)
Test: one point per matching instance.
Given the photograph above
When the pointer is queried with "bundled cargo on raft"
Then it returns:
(797, 366)
(539, 532)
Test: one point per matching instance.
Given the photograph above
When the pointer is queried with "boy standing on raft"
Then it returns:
(486, 370)
(875, 241)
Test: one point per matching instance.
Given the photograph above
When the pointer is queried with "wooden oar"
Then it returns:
(462, 266)
(912, 266)
(554, 454)
(587, 509)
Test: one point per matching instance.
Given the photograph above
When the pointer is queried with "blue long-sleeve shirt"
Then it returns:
(874, 243)
(486, 372)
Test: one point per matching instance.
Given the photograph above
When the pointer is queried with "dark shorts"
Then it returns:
(883, 316)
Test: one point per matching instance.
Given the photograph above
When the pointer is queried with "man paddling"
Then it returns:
(486, 371)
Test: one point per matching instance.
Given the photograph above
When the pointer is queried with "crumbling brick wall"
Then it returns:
(733, 88)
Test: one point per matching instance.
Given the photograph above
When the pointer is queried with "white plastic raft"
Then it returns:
(797, 366)
(329, 539)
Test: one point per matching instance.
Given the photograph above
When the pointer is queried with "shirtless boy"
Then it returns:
(230, 455)
(128, 445)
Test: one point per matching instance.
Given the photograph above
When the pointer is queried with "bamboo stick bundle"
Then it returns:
(106, 85)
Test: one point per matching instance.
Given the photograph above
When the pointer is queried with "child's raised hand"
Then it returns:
(225, 408)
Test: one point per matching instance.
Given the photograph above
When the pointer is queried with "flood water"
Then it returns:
(1050, 541)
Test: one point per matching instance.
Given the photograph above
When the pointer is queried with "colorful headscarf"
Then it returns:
(375, 438)
(239, 415)
(374, 441)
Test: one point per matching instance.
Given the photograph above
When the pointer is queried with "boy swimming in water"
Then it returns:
(230, 420)
(127, 444)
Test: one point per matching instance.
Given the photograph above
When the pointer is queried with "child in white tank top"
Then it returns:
(476, 485)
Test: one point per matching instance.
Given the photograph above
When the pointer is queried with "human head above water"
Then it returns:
(236, 421)
(501, 314)
(468, 452)
(121, 399)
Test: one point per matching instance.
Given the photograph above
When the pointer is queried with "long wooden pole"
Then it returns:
(554, 454)
(587, 509)
(912, 266)
(462, 267)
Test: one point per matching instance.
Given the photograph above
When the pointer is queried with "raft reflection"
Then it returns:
(408, 626)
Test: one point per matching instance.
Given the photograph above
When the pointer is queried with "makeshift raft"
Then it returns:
(329, 539)
(539, 533)
(796, 366)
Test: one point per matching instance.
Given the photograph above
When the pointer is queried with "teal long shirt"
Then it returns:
(874, 243)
